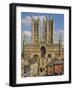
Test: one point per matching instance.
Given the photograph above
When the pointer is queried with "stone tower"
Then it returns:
(50, 31)
(35, 30)
(45, 30)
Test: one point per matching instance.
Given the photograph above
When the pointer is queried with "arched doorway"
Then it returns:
(43, 51)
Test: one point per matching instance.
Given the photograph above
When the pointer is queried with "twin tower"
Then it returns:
(47, 31)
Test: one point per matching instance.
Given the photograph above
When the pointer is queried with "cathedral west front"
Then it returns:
(37, 57)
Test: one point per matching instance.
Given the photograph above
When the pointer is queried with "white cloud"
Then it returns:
(27, 33)
(56, 36)
(35, 17)
(40, 17)
(26, 20)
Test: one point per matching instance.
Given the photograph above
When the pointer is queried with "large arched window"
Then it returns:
(43, 51)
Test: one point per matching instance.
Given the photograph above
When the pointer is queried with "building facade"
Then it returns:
(42, 47)
(46, 42)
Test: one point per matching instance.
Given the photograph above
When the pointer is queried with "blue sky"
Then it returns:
(26, 23)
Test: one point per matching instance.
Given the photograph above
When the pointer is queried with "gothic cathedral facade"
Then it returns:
(44, 39)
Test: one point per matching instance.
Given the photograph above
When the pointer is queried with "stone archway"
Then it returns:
(43, 51)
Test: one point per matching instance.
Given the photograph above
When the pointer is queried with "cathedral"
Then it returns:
(46, 42)
(42, 45)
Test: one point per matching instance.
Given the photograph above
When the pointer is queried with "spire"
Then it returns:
(46, 18)
(32, 18)
(38, 19)
(59, 44)
(51, 17)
